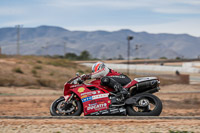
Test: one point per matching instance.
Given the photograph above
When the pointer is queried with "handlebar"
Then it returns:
(76, 80)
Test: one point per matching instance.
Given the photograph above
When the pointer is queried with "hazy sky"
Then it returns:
(154, 16)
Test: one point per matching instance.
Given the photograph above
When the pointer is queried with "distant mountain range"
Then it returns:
(52, 40)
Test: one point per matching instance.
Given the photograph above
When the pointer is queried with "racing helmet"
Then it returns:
(98, 66)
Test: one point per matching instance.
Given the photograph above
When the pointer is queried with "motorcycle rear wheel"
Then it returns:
(154, 107)
(57, 108)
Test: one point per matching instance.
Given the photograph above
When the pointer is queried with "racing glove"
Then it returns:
(85, 77)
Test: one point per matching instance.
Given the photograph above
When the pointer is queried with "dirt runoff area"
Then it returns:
(178, 100)
(98, 126)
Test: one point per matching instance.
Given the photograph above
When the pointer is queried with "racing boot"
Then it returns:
(123, 93)
(120, 96)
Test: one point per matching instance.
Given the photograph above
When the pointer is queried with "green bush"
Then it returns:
(34, 72)
(18, 70)
(85, 55)
(178, 58)
(38, 61)
(163, 57)
(62, 63)
(37, 67)
(71, 56)
(80, 71)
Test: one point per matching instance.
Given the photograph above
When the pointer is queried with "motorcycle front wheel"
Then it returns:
(61, 108)
(147, 105)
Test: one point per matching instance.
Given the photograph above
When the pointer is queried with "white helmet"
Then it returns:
(98, 66)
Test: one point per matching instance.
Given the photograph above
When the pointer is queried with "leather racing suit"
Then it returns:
(111, 78)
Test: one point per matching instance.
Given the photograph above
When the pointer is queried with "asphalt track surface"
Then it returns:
(104, 117)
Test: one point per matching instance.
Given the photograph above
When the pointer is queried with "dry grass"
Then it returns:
(37, 71)
(43, 71)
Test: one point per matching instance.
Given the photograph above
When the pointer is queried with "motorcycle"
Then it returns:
(92, 99)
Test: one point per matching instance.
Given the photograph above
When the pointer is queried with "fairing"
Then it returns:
(94, 98)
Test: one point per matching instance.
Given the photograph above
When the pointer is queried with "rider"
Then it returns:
(108, 77)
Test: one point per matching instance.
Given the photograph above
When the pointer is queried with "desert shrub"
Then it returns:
(39, 61)
(170, 131)
(51, 74)
(33, 87)
(18, 70)
(34, 72)
(80, 71)
(6, 81)
(37, 67)
(61, 63)
(46, 83)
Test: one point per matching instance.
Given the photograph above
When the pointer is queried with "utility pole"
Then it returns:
(18, 38)
(129, 38)
(47, 48)
(64, 48)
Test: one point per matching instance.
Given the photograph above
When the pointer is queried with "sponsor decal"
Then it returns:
(94, 92)
(83, 96)
(100, 96)
(81, 89)
(120, 76)
(86, 99)
(97, 107)
(97, 101)
(92, 104)
(89, 93)
(95, 97)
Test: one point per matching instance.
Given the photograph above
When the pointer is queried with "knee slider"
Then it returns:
(105, 81)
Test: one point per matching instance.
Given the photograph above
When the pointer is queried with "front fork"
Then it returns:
(68, 101)
(69, 97)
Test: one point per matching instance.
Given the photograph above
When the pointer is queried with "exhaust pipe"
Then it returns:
(153, 90)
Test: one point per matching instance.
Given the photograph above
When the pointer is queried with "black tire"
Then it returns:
(54, 110)
(153, 99)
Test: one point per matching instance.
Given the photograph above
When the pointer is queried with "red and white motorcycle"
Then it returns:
(93, 99)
